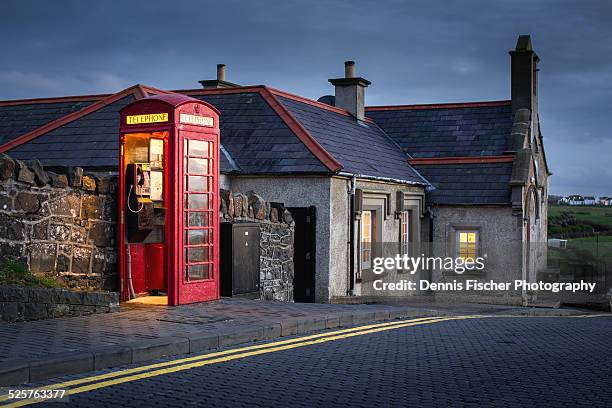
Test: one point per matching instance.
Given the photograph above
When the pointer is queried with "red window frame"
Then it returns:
(207, 245)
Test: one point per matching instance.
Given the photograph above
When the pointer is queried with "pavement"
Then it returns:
(34, 351)
(494, 361)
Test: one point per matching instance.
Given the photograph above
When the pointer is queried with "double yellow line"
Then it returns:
(153, 370)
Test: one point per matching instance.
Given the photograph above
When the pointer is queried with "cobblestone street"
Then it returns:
(495, 361)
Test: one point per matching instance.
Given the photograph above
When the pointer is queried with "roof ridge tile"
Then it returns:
(450, 105)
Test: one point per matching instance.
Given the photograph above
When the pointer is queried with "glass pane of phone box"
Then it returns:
(147, 150)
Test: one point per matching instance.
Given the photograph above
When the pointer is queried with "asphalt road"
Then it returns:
(495, 361)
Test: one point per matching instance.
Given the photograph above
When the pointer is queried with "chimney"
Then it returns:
(350, 91)
(220, 82)
(524, 77)
(221, 72)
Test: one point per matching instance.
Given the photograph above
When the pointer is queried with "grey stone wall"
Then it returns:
(276, 240)
(301, 191)
(500, 240)
(276, 262)
(540, 252)
(61, 225)
(329, 196)
(19, 303)
(389, 230)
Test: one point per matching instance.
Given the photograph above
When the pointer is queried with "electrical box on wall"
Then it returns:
(240, 260)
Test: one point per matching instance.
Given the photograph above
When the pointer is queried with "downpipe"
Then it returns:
(351, 220)
(524, 262)
(430, 250)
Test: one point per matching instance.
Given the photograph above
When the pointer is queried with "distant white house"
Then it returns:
(574, 199)
(577, 199)
(605, 201)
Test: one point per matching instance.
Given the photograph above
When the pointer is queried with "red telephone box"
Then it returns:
(169, 199)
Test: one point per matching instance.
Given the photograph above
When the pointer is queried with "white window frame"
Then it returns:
(405, 231)
(472, 246)
(367, 237)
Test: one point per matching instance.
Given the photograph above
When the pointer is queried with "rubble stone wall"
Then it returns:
(19, 303)
(276, 227)
(276, 262)
(62, 225)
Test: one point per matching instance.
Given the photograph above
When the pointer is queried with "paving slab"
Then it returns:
(33, 351)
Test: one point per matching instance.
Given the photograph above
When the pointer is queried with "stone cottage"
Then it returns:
(461, 179)
(487, 164)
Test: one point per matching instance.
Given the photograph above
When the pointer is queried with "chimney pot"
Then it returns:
(349, 69)
(350, 91)
(220, 72)
(220, 82)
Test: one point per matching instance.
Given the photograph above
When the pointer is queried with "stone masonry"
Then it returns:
(62, 225)
(276, 262)
(19, 303)
(276, 240)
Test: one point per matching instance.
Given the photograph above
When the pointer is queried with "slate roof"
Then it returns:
(18, 119)
(360, 146)
(90, 141)
(439, 131)
(257, 139)
(454, 130)
(226, 163)
(483, 183)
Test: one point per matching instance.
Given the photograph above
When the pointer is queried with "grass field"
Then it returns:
(603, 240)
(584, 249)
(563, 221)
(596, 215)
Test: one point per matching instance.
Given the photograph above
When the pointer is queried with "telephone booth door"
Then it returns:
(169, 200)
(200, 222)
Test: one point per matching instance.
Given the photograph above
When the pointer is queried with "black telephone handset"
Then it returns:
(140, 208)
(142, 182)
(139, 182)
(139, 176)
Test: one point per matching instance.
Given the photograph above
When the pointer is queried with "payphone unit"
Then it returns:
(144, 213)
(145, 207)
(169, 199)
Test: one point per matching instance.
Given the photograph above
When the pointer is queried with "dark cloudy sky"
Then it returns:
(413, 52)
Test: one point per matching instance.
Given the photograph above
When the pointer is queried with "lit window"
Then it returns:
(405, 232)
(467, 244)
(367, 229)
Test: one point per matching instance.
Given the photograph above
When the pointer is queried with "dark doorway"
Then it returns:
(304, 253)
(240, 260)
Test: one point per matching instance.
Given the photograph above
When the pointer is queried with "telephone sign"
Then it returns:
(148, 118)
(197, 120)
